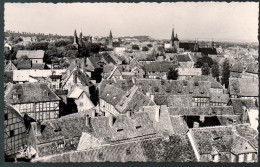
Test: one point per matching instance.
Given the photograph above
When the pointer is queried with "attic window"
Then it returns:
(196, 83)
(128, 152)
(156, 89)
(16, 96)
(6, 116)
(57, 129)
(185, 83)
(138, 127)
(119, 130)
(217, 138)
(179, 91)
(100, 155)
(61, 144)
(202, 92)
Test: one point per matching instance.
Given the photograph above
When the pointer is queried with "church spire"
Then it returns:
(172, 38)
(75, 40)
(110, 34)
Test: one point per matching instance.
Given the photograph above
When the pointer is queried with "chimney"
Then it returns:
(111, 120)
(129, 113)
(157, 114)
(36, 127)
(87, 120)
(93, 113)
(202, 118)
(244, 114)
(152, 97)
(196, 124)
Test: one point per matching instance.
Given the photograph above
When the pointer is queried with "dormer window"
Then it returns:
(119, 130)
(16, 96)
(128, 152)
(196, 83)
(61, 144)
(138, 127)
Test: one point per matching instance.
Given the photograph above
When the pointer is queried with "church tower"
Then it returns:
(80, 38)
(110, 40)
(174, 42)
(75, 39)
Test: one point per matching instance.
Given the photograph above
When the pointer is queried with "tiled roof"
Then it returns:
(177, 149)
(179, 125)
(75, 93)
(124, 127)
(216, 110)
(62, 128)
(30, 92)
(31, 54)
(243, 87)
(158, 66)
(183, 58)
(237, 67)
(213, 82)
(223, 138)
(189, 71)
(252, 68)
(24, 64)
(125, 100)
(219, 97)
(179, 101)
(38, 66)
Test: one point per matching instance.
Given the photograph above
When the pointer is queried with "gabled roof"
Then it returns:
(75, 93)
(24, 64)
(124, 127)
(38, 66)
(219, 97)
(179, 101)
(30, 92)
(213, 82)
(189, 71)
(252, 68)
(10, 108)
(31, 54)
(179, 125)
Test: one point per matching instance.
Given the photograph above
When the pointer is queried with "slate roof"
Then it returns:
(111, 94)
(31, 54)
(30, 92)
(243, 87)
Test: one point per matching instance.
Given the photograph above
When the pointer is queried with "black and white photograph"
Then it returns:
(131, 82)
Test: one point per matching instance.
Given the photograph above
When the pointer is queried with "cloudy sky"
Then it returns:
(205, 20)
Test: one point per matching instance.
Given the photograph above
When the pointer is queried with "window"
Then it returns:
(119, 130)
(11, 133)
(249, 156)
(128, 152)
(100, 155)
(138, 127)
(241, 158)
(81, 104)
(6, 116)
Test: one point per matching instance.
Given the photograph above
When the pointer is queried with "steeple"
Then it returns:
(110, 34)
(75, 40)
(80, 37)
(172, 38)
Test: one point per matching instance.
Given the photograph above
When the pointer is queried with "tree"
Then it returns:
(145, 48)
(225, 73)
(215, 70)
(204, 59)
(135, 47)
(205, 69)
(172, 74)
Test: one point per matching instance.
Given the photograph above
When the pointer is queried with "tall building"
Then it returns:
(174, 42)
(110, 40)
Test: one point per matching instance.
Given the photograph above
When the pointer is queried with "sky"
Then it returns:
(203, 21)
